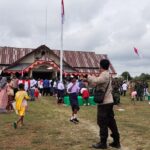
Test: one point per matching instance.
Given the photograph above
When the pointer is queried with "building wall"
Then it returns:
(47, 56)
(28, 59)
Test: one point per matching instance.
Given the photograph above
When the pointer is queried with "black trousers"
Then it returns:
(124, 93)
(46, 91)
(60, 95)
(106, 120)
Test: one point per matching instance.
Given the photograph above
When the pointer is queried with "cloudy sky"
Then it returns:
(111, 27)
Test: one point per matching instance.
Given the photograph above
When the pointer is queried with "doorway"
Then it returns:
(42, 75)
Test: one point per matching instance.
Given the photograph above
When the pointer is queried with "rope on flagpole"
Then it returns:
(61, 54)
(46, 23)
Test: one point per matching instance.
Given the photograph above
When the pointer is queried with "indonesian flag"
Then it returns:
(62, 11)
(136, 51)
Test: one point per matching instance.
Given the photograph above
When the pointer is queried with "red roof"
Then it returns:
(83, 61)
(9, 55)
(80, 60)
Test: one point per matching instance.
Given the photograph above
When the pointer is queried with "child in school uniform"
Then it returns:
(85, 95)
(36, 92)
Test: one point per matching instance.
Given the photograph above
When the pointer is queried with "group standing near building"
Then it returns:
(19, 90)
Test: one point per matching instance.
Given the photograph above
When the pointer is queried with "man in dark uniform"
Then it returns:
(115, 92)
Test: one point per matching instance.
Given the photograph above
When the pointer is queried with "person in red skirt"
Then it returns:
(36, 92)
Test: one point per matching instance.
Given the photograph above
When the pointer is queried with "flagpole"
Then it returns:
(61, 54)
(61, 51)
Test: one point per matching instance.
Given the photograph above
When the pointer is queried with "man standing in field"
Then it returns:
(105, 113)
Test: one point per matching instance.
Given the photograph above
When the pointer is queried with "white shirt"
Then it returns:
(50, 81)
(83, 89)
(32, 83)
(124, 86)
(20, 82)
(60, 86)
(75, 88)
(40, 84)
(55, 84)
(26, 85)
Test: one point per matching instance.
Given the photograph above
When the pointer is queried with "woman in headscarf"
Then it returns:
(3, 94)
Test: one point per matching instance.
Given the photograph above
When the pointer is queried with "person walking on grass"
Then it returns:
(73, 90)
(21, 104)
(124, 87)
(105, 113)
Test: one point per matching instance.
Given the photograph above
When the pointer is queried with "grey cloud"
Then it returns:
(104, 26)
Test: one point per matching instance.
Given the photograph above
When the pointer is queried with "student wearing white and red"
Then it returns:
(36, 92)
(20, 81)
(85, 95)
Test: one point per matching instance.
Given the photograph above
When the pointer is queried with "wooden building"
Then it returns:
(43, 62)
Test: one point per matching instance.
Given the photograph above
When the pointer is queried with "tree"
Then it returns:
(144, 76)
(126, 75)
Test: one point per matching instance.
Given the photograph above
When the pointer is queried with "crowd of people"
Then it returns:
(14, 93)
(53, 87)
(137, 90)
(35, 89)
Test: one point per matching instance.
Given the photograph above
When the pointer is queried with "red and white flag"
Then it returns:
(136, 51)
(62, 11)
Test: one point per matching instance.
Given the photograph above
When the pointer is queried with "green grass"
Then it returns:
(47, 127)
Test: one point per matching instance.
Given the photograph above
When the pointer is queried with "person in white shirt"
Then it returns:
(55, 88)
(26, 85)
(40, 85)
(33, 83)
(124, 88)
(60, 92)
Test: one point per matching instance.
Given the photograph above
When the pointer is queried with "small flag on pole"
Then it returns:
(136, 51)
(62, 11)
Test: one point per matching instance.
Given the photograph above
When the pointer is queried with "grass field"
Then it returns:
(47, 127)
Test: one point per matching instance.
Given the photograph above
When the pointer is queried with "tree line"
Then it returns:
(126, 76)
